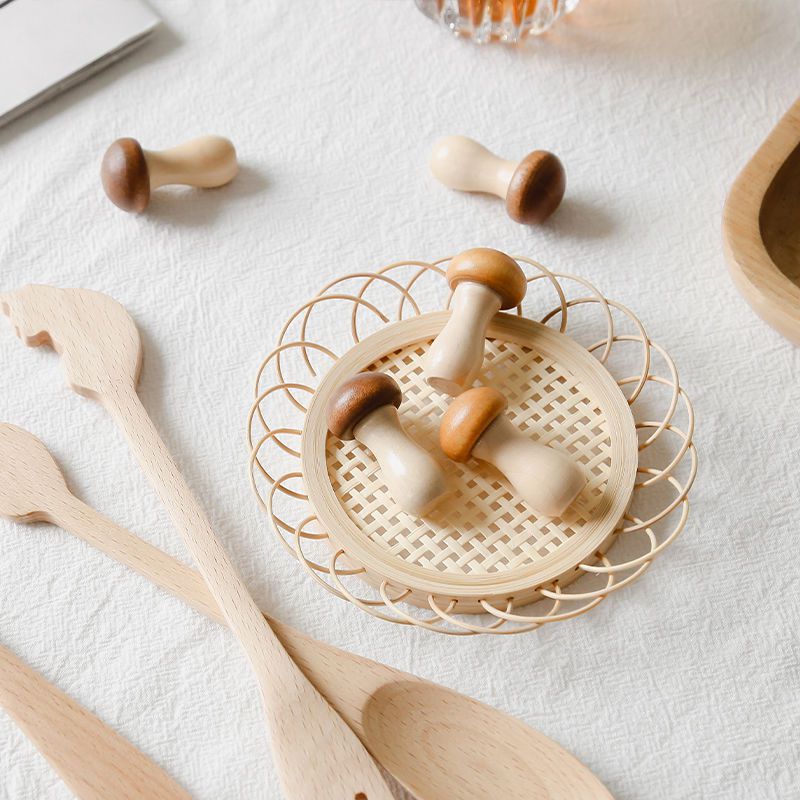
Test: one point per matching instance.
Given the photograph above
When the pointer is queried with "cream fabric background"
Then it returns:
(685, 685)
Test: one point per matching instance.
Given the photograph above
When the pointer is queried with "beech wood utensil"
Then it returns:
(761, 228)
(92, 759)
(315, 753)
(437, 743)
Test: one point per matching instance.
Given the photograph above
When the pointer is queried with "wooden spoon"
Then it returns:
(437, 743)
(761, 228)
(92, 759)
(315, 752)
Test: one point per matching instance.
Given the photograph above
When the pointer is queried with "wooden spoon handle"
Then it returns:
(267, 658)
(344, 679)
(92, 759)
(160, 568)
(301, 720)
(168, 573)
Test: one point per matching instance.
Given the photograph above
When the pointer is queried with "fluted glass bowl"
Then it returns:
(497, 20)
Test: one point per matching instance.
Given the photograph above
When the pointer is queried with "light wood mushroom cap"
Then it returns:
(466, 419)
(357, 397)
(536, 188)
(493, 269)
(125, 176)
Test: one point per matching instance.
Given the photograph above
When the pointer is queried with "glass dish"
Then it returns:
(508, 21)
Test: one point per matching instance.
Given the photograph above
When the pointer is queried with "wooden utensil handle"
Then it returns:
(302, 721)
(64, 732)
(162, 569)
(321, 663)
(267, 658)
(146, 559)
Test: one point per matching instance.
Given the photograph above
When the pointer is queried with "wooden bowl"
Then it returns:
(761, 228)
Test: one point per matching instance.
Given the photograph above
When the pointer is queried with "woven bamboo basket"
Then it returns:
(584, 378)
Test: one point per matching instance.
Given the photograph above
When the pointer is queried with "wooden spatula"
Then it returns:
(437, 743)
(315, 753)
(92, 759)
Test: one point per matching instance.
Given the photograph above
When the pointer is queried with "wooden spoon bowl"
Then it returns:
(420, 730)
(28, 477)
(761, 228)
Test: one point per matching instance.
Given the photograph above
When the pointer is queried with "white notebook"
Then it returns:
(46, 46)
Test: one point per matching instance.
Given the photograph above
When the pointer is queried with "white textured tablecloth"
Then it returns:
(684, 685)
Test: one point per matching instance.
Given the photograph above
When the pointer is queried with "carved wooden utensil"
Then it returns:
(315, 753)
(761, 228)
(437, 743)
(92, 759)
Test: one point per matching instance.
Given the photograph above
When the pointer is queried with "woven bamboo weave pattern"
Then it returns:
(487, 529)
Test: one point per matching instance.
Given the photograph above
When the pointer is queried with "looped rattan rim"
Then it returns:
(649, 535)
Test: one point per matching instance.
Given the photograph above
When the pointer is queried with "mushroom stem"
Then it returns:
(463, 164)
(207, 162)
(413, 478)
(456, 356)
(546, 479)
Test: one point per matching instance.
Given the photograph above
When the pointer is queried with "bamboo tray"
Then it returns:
(483, 562)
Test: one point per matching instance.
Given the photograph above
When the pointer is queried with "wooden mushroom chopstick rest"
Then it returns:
(365, 408)
(483, 281)
(532, 188)
(474, 425)
(101, 353)
(433, 740)
(93, 760)
(129, 173)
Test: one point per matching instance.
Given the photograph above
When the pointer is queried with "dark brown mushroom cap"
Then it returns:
(466, 419)
(492, 268)
(357, 397)
(125, 176)
(536, 188)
